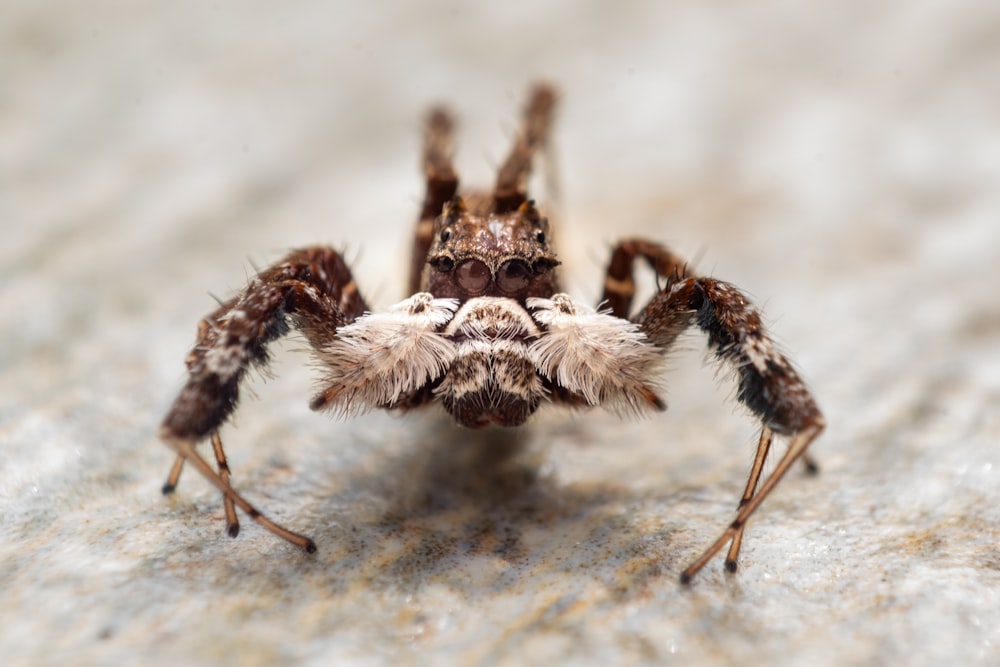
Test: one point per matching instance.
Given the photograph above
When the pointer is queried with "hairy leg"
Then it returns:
(311, 289)
(767, 383)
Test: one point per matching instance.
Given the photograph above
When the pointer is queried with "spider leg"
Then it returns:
(442, 184)
(767, 383)
(311, 289)
(232, 521)
(619, 283)
(512, 179)
(734, 531)
(175, 474)
(763, 447)
(186, 448)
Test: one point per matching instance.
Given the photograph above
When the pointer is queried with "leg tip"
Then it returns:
(685, 578)
(168, 488)
(233, 529)
(731, 565)
(310, 547)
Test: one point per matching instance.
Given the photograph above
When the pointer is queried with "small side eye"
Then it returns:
(540, 236)
(542, 265)
(444, 263)
(445, 235)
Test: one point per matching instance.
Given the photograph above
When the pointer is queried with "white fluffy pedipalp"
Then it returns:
(605, 359)
(379, 357)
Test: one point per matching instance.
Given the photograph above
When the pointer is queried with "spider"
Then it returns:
(487, 333)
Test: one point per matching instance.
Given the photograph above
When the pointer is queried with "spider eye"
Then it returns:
(444, 263)
(445, 235)
(540, 236)
(473, 276)
(513, 276)
(542, 265)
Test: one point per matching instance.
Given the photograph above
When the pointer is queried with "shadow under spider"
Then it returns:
(472, 470)
(455, 494)
(477, 511)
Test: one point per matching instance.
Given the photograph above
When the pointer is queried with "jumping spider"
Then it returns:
(487, 332)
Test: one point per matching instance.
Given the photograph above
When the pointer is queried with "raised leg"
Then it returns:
(767, 384)
(619, 281)
(311, 289)
(512, 179)
(442, 184)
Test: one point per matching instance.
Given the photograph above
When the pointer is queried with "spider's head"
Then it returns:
(479, 252)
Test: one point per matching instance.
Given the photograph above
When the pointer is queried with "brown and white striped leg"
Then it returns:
(442, 185)
(311, 289)
(619, 291)
(512, 179)
(767, 384)
(619, 280)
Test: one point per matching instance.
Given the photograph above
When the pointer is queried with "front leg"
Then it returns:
(441, 184)
(511, 189)
(311, 289)
(767, 384)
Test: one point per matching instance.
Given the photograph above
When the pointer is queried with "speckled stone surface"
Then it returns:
(840, 164)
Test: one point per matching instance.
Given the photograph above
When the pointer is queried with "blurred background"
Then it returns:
(838, 162)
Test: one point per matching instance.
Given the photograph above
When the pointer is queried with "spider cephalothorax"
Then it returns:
(486, 332)
(478, 251)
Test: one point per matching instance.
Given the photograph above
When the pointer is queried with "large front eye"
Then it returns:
(473, 276)
(513, 276)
